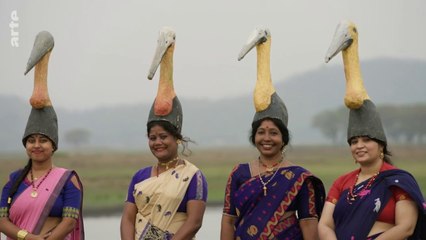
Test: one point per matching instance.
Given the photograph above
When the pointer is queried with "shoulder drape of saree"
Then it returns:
(30, 213)
(254, 221)
(78, 232)
(158, 198)
(355, 219)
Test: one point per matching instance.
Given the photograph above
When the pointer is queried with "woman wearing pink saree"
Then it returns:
(41, 201)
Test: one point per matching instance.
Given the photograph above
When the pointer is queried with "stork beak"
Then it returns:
(166, 39)
(258, 36)
(342, 40)
(43, 43)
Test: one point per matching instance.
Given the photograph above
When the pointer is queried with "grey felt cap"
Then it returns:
(42, 121)
(365, 121)
(275, 110)
(175, 117)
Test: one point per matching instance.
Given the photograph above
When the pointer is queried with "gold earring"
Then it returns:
(178, 141)
(382, 155)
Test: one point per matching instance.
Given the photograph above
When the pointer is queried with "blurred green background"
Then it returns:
(106, 174)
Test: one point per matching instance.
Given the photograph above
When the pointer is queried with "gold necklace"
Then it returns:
(166, 164)
(271, 168)
(34, 193)
(263, 183)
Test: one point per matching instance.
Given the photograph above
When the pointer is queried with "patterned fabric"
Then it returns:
(31, 213)
(154, 233)
(197, 189)
(71, 212)
(265, 217)
(348, 180)
(69, 196)
(366, 208)
(4, 212)
(157, 200)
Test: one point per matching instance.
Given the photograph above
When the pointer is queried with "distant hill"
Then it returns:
(227, 122)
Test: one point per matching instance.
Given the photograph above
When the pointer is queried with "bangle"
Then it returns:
(22, 234)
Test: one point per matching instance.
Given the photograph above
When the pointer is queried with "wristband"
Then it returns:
(22, 234)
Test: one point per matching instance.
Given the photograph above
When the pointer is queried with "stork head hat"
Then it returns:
(42, 119)
(166, 106)
(364, 120)
(267, 103)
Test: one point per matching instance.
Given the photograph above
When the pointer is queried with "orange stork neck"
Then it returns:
(264, 88)
(166, 93)
(40, 97)
(355, 90)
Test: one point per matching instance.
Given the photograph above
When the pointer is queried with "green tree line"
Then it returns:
(402, 123)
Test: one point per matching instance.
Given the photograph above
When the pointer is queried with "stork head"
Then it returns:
(346, 33)
(42, 120)
(166, 39)
(43, 43)
(258, 36)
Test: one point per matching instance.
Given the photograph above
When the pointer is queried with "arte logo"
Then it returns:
(14, 25)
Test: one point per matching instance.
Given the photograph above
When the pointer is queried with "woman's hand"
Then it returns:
(227, 229)
(34, 237)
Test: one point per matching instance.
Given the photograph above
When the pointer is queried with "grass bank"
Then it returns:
(106, 174)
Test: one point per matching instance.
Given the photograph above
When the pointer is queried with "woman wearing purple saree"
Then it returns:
(270, 197)
(41, 201)
(377, 200)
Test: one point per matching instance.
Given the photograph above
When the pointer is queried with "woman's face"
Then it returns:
(162, 144)
(365, 150)
(268, 139)
(39, 147)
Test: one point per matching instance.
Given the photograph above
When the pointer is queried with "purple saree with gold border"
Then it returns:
(260, 216)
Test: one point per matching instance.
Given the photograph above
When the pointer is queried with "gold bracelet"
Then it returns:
(22, 234)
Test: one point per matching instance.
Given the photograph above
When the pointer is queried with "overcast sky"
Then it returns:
(103, 49)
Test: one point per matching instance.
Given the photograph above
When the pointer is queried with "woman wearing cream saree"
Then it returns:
(167, 200)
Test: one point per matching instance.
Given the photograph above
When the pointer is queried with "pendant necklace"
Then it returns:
(34, 193)
(266, 183)
(351, 196)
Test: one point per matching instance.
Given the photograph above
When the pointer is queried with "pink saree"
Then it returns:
(30, 213)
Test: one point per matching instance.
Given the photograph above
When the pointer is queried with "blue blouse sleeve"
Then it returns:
(305, 201)
(72, 199)
(237, 177)
(5, 193)
(197, 189)
(138, 177)
(4, 196)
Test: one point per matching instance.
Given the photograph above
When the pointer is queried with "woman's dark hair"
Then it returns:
(18, 181)
(174, 132)
(283, 129)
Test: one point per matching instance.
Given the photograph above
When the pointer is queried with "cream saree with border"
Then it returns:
(157, 200)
